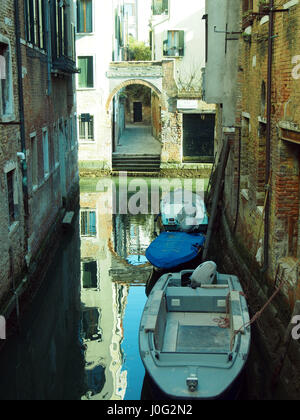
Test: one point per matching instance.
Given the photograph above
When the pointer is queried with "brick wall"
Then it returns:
(247, 160)
(54, 112)
(22, 238)
(12, 234)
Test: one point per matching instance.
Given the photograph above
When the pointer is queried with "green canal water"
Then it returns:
(79, 340)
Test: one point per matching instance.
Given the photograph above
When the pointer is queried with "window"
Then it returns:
(86, 127)
(12, 196)
(247, 5)
(89, 275)
(6, 100)
(34, 160)
(174, 44)
(88, 223)
(56, 144)
(160, 7)
(46, 152)
(86, 75)
(35, 22)
(129, 9)
(245, 137)
(84, 16)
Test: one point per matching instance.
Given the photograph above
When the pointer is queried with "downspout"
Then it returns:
(268, 139)
(22, 119)
(49, 46)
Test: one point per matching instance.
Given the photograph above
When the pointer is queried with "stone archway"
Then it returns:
(130, 82)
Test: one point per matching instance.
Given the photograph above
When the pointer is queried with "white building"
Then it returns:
(178, 32)
(99, 41)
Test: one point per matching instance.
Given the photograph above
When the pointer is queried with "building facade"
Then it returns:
(38, 128)
(178, 35)
(255, 83)
(98, 24)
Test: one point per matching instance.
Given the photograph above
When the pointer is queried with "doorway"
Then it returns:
(198, 137)
(137, 112)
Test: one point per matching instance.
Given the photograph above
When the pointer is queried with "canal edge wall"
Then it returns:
(279, 354)
(28, 283)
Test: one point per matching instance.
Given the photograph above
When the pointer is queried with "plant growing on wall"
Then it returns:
(138, 50)
(189, 79)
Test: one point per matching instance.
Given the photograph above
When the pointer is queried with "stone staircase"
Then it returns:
(135, 163)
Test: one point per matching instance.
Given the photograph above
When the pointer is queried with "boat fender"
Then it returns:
(204, 274)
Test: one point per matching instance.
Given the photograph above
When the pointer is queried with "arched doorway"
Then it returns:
(135, 108)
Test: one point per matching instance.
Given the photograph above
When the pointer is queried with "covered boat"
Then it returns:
(171, 249)
(185, 211)
(194, 335)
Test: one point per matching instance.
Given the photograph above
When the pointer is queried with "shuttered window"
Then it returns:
(160, 7)
(173, 44)
(84, 16)
(88, 223)
(86, 75)
(247, 5)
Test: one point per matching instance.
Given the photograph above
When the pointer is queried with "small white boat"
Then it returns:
(194, 338)
(183, 210)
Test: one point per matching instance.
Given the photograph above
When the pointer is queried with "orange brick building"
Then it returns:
(255, 81)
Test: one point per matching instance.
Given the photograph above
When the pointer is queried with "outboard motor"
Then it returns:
(187, 218)
(205, 274)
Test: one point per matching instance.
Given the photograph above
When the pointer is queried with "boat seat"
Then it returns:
(153, 311)
(237, 322)
(186, 299)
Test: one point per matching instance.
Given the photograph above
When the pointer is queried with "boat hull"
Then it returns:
(195, 341)
(151, 390)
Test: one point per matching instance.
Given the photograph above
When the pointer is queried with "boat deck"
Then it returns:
(194, 332)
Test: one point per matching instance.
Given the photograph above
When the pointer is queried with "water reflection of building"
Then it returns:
(100, 333)
(107, 241)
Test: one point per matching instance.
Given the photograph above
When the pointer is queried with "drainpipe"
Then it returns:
(49, 46)
(268, 138)
(21, 112)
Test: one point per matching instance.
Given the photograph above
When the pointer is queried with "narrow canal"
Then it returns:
(79, 341)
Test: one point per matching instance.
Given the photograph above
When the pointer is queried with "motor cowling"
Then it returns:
(205, 274)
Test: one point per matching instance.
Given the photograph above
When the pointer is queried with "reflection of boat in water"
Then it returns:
(193, 339)
(173, 252)
(183, 211)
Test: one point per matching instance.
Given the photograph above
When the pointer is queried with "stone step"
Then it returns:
(135, 163)
(135, 157)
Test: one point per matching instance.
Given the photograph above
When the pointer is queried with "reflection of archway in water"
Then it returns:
(119, 246)
(122, 260)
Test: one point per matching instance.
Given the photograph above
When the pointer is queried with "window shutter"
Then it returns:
(181, 43)
(165, 6)
(165, 43)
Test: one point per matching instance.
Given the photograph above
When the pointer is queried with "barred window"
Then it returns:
(86, 127)
(35, 22)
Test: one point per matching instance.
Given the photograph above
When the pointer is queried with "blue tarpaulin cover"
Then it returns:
(171, 249)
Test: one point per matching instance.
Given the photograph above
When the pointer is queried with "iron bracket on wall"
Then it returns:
(228, 33)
